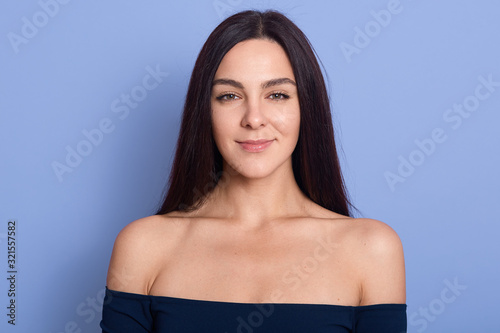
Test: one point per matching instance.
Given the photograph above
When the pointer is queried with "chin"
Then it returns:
(256, 171)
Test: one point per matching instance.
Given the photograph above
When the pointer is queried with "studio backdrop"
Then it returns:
(91, 94)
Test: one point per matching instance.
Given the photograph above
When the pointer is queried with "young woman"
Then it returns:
(255, 233)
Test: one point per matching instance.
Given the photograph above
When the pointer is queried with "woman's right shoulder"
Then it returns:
(147, 233)
(140, 249)
(150, 227)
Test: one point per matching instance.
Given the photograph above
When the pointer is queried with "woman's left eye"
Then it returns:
(278, 96)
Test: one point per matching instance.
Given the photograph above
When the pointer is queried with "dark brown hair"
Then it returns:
(197, 166)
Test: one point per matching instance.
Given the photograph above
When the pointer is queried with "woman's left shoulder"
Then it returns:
(378, 252)
(374, 235)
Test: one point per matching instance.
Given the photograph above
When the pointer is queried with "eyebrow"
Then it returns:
(264, 85)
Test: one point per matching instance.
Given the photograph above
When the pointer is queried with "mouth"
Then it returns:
(255, 146)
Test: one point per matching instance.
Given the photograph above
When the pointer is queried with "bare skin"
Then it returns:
(257, 238)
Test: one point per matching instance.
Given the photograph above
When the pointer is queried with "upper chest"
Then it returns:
(292, 267)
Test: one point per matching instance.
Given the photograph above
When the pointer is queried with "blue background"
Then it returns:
(65, 69)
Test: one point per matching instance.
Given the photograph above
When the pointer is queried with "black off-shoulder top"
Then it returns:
(127, 312)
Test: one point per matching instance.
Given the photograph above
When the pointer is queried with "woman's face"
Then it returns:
(255, 109)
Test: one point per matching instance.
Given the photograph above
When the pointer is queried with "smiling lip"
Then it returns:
(255, 146)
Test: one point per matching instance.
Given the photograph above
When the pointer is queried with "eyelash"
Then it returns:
(283, 95)
(223, 96)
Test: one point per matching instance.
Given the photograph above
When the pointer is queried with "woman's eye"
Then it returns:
(278, 96)
(227, 97)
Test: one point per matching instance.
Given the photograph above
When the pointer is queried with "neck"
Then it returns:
(255, 202)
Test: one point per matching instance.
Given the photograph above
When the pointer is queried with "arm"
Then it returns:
(131, 268)
(383, 286)
(126, 305)
(383, 268)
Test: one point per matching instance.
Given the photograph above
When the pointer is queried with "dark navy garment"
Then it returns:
(126, 312)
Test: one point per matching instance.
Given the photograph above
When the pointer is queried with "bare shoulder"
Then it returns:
(380, 261)
(138, 252)
(375, 235)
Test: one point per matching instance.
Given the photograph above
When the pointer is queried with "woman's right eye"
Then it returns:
(227, 97)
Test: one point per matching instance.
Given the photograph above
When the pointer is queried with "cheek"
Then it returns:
(287, 121)
(221, 129)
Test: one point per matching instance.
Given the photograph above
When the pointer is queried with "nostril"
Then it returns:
(254, 118)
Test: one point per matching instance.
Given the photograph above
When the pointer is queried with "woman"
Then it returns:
(255, 233)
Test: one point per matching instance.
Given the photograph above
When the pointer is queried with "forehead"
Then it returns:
(255, 60)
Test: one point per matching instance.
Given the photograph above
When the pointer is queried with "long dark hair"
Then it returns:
(197, 166)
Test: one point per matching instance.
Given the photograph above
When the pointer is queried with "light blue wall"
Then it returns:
(67, 67)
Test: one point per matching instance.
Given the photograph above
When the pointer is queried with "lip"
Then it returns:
(255, 146)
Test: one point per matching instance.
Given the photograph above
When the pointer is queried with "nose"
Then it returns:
(254, 116)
